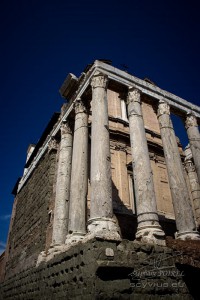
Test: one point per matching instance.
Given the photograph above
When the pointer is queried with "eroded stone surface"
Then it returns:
(108, 261)
(101, 186)
(151, 235)
(147, 216)
(194, 140)
(79, 174)
(104, 228)
(181, 200)
(194, 187)
(61, 210)
(90, 271)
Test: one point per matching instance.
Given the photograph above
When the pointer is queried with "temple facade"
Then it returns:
(107, 170)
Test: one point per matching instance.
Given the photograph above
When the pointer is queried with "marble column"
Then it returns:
(148, 229)
(79, 175)
(186, 228)
(101, 221)
(62, 186)
(194, 140)
(194, 185)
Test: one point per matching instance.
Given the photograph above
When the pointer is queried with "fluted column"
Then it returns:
(148, 229)
(79, 175)
(185, 224)
(194, 140)
(101, 221)
(61, 209)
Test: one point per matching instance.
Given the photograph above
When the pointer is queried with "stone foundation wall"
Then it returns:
(104, 270)
(27, 236)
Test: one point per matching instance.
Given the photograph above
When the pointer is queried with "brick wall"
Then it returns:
(27, 236)
(105, 270)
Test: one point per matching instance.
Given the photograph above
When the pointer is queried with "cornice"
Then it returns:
(147, 88)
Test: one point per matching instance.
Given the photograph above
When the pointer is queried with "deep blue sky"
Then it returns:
(42, 41)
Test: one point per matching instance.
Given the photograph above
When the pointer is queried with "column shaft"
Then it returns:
(181, 201)
(79, 175)
(194, 140)
(101, 210)
(61, 209)
(148, 229)
(194, 187)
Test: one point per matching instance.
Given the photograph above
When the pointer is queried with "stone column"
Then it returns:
(148, 229)
(194, 186)
(61, 209)
(194, 140)
(79, 175)
(185, 224)
(101, 221)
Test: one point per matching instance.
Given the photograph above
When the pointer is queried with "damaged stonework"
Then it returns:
(194, 140)
(102, 191)
(183, 211)
(148, 230)
(101, 211)
(61, 210)
(106, 270)
(79, 175)
(194, 183)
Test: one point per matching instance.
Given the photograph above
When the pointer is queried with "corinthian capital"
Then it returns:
(134, 95)
(99, 80)
(65, 128)
(79, 106)
(53, 145)
(190, 121)
(189, 166)
(163, 108)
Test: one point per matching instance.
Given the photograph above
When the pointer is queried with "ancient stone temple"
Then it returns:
(108, 206)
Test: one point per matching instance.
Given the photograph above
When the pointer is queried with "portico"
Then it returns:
(84, 184)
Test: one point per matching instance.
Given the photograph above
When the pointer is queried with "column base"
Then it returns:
(187, 235)
(104, 228)
(74, 237)
(41, 258)
(151, 235)
(55, 248)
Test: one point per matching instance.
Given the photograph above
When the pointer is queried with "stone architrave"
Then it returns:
(79, 175)
(61, 209)
(186, 228)
(194, 140)
(101, 221)
(148, 229)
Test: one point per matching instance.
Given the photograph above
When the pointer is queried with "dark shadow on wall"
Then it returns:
(191, 277)
(127, 220)
(168, 226)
